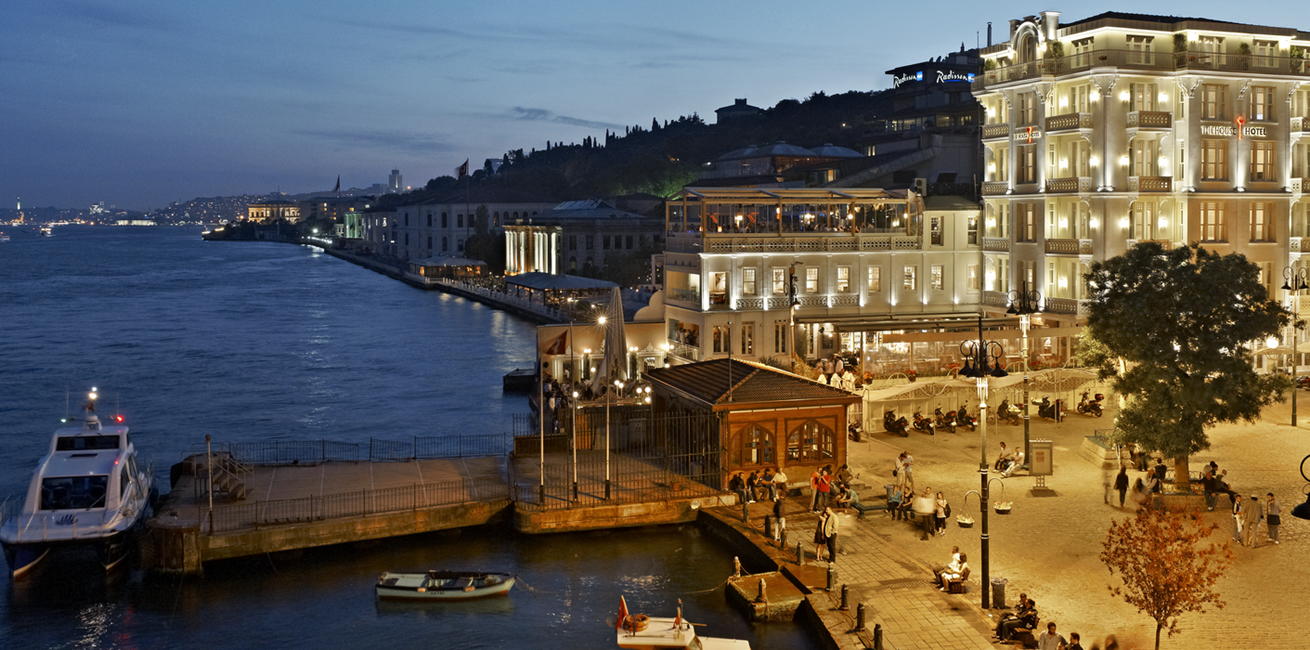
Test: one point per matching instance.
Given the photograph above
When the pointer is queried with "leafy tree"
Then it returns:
(1167, 565)
(1177, 326)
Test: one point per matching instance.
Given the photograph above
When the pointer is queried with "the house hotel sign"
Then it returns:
(943, 76)
(1228, 130)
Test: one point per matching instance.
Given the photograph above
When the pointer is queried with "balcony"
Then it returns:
(1150, 120)
(1300, 125)
(1150, 184)
(1067, 306)
(1068, 121)
(1164, 243)
(996, 244)
(1071, 184)
(1138, 60)
(996, 299)
(995, 131)
(1298, 185)
(995, 188)
(792, 242)
(1294, 244)
(1068, 246)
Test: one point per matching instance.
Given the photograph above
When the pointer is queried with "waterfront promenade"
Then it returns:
(1049, 547)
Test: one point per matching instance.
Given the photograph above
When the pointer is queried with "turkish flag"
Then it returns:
(623, 614)
(462, 170)
(559, 345)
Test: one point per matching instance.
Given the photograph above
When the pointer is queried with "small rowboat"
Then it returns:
(442, 585)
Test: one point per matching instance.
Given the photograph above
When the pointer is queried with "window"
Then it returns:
(748, 339)
(1214, 160)
(628, 240)
(1261, 228)
(875, 279)
(1145, 157)
(812, 440)
(719, 288)
(1026, 213)
(1214, 102)
(591, 242)
(1082, 55)
(1139, 50)
(1027, 108)
(1265, 51)
(1213, 47)
(573, 242)
(74, 492)
(429, 243)
(910, 278)
(459, 245)
(429, 219)
(445, 222)
(971, 227)
(780, 336)
(1262, 161)
(1027, 172)
(972, 278)
(843, 278)
(779, 282)
(1143, 220)
(605, 242)
(811, 279)
(936, 277)
(459, 221)
(445, 244)
(1141, 97)
(756, 447)
(748, 282)
(721, 335)
(1267, 276)
(936, 229)
(1212, 221)
(1262, 103)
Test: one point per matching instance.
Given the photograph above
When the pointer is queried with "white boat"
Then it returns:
(47, 231)
(87, 491)
(442, 585)
(4, 239)
(641, 632)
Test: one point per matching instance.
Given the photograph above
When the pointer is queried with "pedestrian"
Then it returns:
(1121, 484)
(779, 518)
(1254, 512)
(825, 489)
(1208, 479)
(1050, 639)
(1139, 494)
(942, 508)
(1161, 470)
(1273, 521)
(752, 482)
(828, 526)
(1075, 642)
(908, 472)
(1237, 518)
(925, 507)
(779, 484)
(814, 489)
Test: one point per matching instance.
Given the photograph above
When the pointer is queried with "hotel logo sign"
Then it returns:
(1230, 131)
(942, 76)
(900, 79)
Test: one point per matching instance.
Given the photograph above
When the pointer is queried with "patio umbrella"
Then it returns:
(613, 364)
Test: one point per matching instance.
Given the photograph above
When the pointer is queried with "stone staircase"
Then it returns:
(230, 476)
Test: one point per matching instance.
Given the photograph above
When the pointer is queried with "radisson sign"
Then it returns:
(943, 76)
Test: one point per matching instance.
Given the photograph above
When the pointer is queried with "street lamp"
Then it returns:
(984, 355)
(1294, 283)
(1024, 303)
(575, 445)
(618, 385)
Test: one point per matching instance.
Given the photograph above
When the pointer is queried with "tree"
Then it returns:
(1177, 326)
(1167, 565)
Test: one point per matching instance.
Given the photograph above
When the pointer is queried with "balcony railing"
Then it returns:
(1150, 119)
(1057, 246)
(994, 188)
(1164, 243)
(996, 244)
(1061, 306)
(1072, 184)
(996, 299)
(995, 131)
(1138, 60)
(1294, 244)
(791, 242)
(1069, 121)
(1298, 185)
(1150, 184)
(1300, 124)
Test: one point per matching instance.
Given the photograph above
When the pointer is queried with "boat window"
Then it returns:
(80, 443)
(124, 479)
(74, 492)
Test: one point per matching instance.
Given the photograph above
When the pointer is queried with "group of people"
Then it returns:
(1008, 460)
(834, 372)
(1024, 617)
(1247, 514)
(768, 484)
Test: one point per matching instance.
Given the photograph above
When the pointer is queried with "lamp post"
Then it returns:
(983, 354)
(1294, 283)
(618, 385)
(793, 301)
(1025, 302)
(575, 445)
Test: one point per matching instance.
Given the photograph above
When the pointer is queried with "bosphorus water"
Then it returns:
(262, 341)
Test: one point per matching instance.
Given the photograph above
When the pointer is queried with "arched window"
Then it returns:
(429, 224)
(516, 214)
(1027, 51)
(753, 447)
(811, 440)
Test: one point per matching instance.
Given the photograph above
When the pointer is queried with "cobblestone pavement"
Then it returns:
(1049, 546)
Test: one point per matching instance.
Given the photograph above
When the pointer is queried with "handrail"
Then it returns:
(286, 452)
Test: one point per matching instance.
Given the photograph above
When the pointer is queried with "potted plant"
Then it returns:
(1244, 56)
(1055, 54)
(1003, 507)
(1296, 56)
(912, 374)
(989, 66)
(964, 521)
(1180, 49)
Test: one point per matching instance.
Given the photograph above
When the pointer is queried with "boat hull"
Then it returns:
(442, 588)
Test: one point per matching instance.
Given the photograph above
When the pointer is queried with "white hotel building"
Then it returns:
(1122, 128)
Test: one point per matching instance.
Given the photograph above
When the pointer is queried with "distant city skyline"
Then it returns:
(139, 104)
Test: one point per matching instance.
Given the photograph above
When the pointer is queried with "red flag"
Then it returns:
(623, 614)
(559, 345)
(678, 621)
(462, 170)
(338, 187)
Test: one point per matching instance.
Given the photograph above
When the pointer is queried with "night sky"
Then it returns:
(141, 103)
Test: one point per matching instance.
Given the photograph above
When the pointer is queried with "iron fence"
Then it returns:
(354, 504)
(294, 452)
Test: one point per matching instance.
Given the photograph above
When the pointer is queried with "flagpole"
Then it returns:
(541, 409)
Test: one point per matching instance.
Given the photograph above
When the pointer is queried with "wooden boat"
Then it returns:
(442, 585)
(641, 632)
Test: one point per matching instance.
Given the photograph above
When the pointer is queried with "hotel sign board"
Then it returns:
(1228, 130)
(938, 76)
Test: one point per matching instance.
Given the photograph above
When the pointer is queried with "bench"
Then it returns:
(958, 585)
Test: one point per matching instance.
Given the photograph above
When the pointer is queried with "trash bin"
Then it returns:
(998, 592)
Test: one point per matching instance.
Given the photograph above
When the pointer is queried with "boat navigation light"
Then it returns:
(118, 418)
(92, 395)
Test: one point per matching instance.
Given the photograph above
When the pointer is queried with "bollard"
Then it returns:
(782, 538)
(800, 553)
(877, 636)
(745, 512)
(859, 617)
(768, 526)
(760, 597)
(845, 598)
(736, 567)
(832, 577)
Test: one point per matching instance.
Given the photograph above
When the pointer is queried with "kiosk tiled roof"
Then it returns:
(752, 383)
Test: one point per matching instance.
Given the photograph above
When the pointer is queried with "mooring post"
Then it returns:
(845, 598)
(745, 512)
(832, 577)
(877, 636)
(760, 597)
(859, 617)
(782, 538)
(736, 567)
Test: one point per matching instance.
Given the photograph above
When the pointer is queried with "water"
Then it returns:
(258, 341)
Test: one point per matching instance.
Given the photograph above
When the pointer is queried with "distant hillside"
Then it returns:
(661, 158)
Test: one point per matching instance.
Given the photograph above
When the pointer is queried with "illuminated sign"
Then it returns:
(1230, 131)
(897, 81)
(1027, 135)
(944, 76)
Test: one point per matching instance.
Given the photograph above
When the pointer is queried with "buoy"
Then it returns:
(636, 622)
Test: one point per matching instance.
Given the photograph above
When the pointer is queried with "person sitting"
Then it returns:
(894, 500)
(738, 486)
(1015, 463)
(1023, 617)
(1004, 458)
(751, 483)
(844, 475)
(841, 495)
(766, 481)
(958, 572)
(953, 566)
(779, 484)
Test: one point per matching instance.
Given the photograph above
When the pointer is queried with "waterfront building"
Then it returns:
(768, 164)
(1126, 128)
(443, 226)
(333, 208)
(438, 267)
(273, 210)
(739, 108)
(578, 237)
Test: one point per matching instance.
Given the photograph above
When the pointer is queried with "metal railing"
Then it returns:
(1150, 119)
(1140, 60)
(353, 504)
(294, 452)
(1069, 121)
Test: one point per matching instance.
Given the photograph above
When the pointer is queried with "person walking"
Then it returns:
(1237, 518)
(908, 470)
(828, 524)
(1273, 521)
(779, 518)
(1139, 494)
(924, 507)
(1075, 642)
(1050, 639)
(1121, 484)
(940, 513)
(1254, 512)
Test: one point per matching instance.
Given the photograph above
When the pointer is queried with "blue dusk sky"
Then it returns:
(139, 103)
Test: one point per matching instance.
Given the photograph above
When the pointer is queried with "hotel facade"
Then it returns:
(1124, 128)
